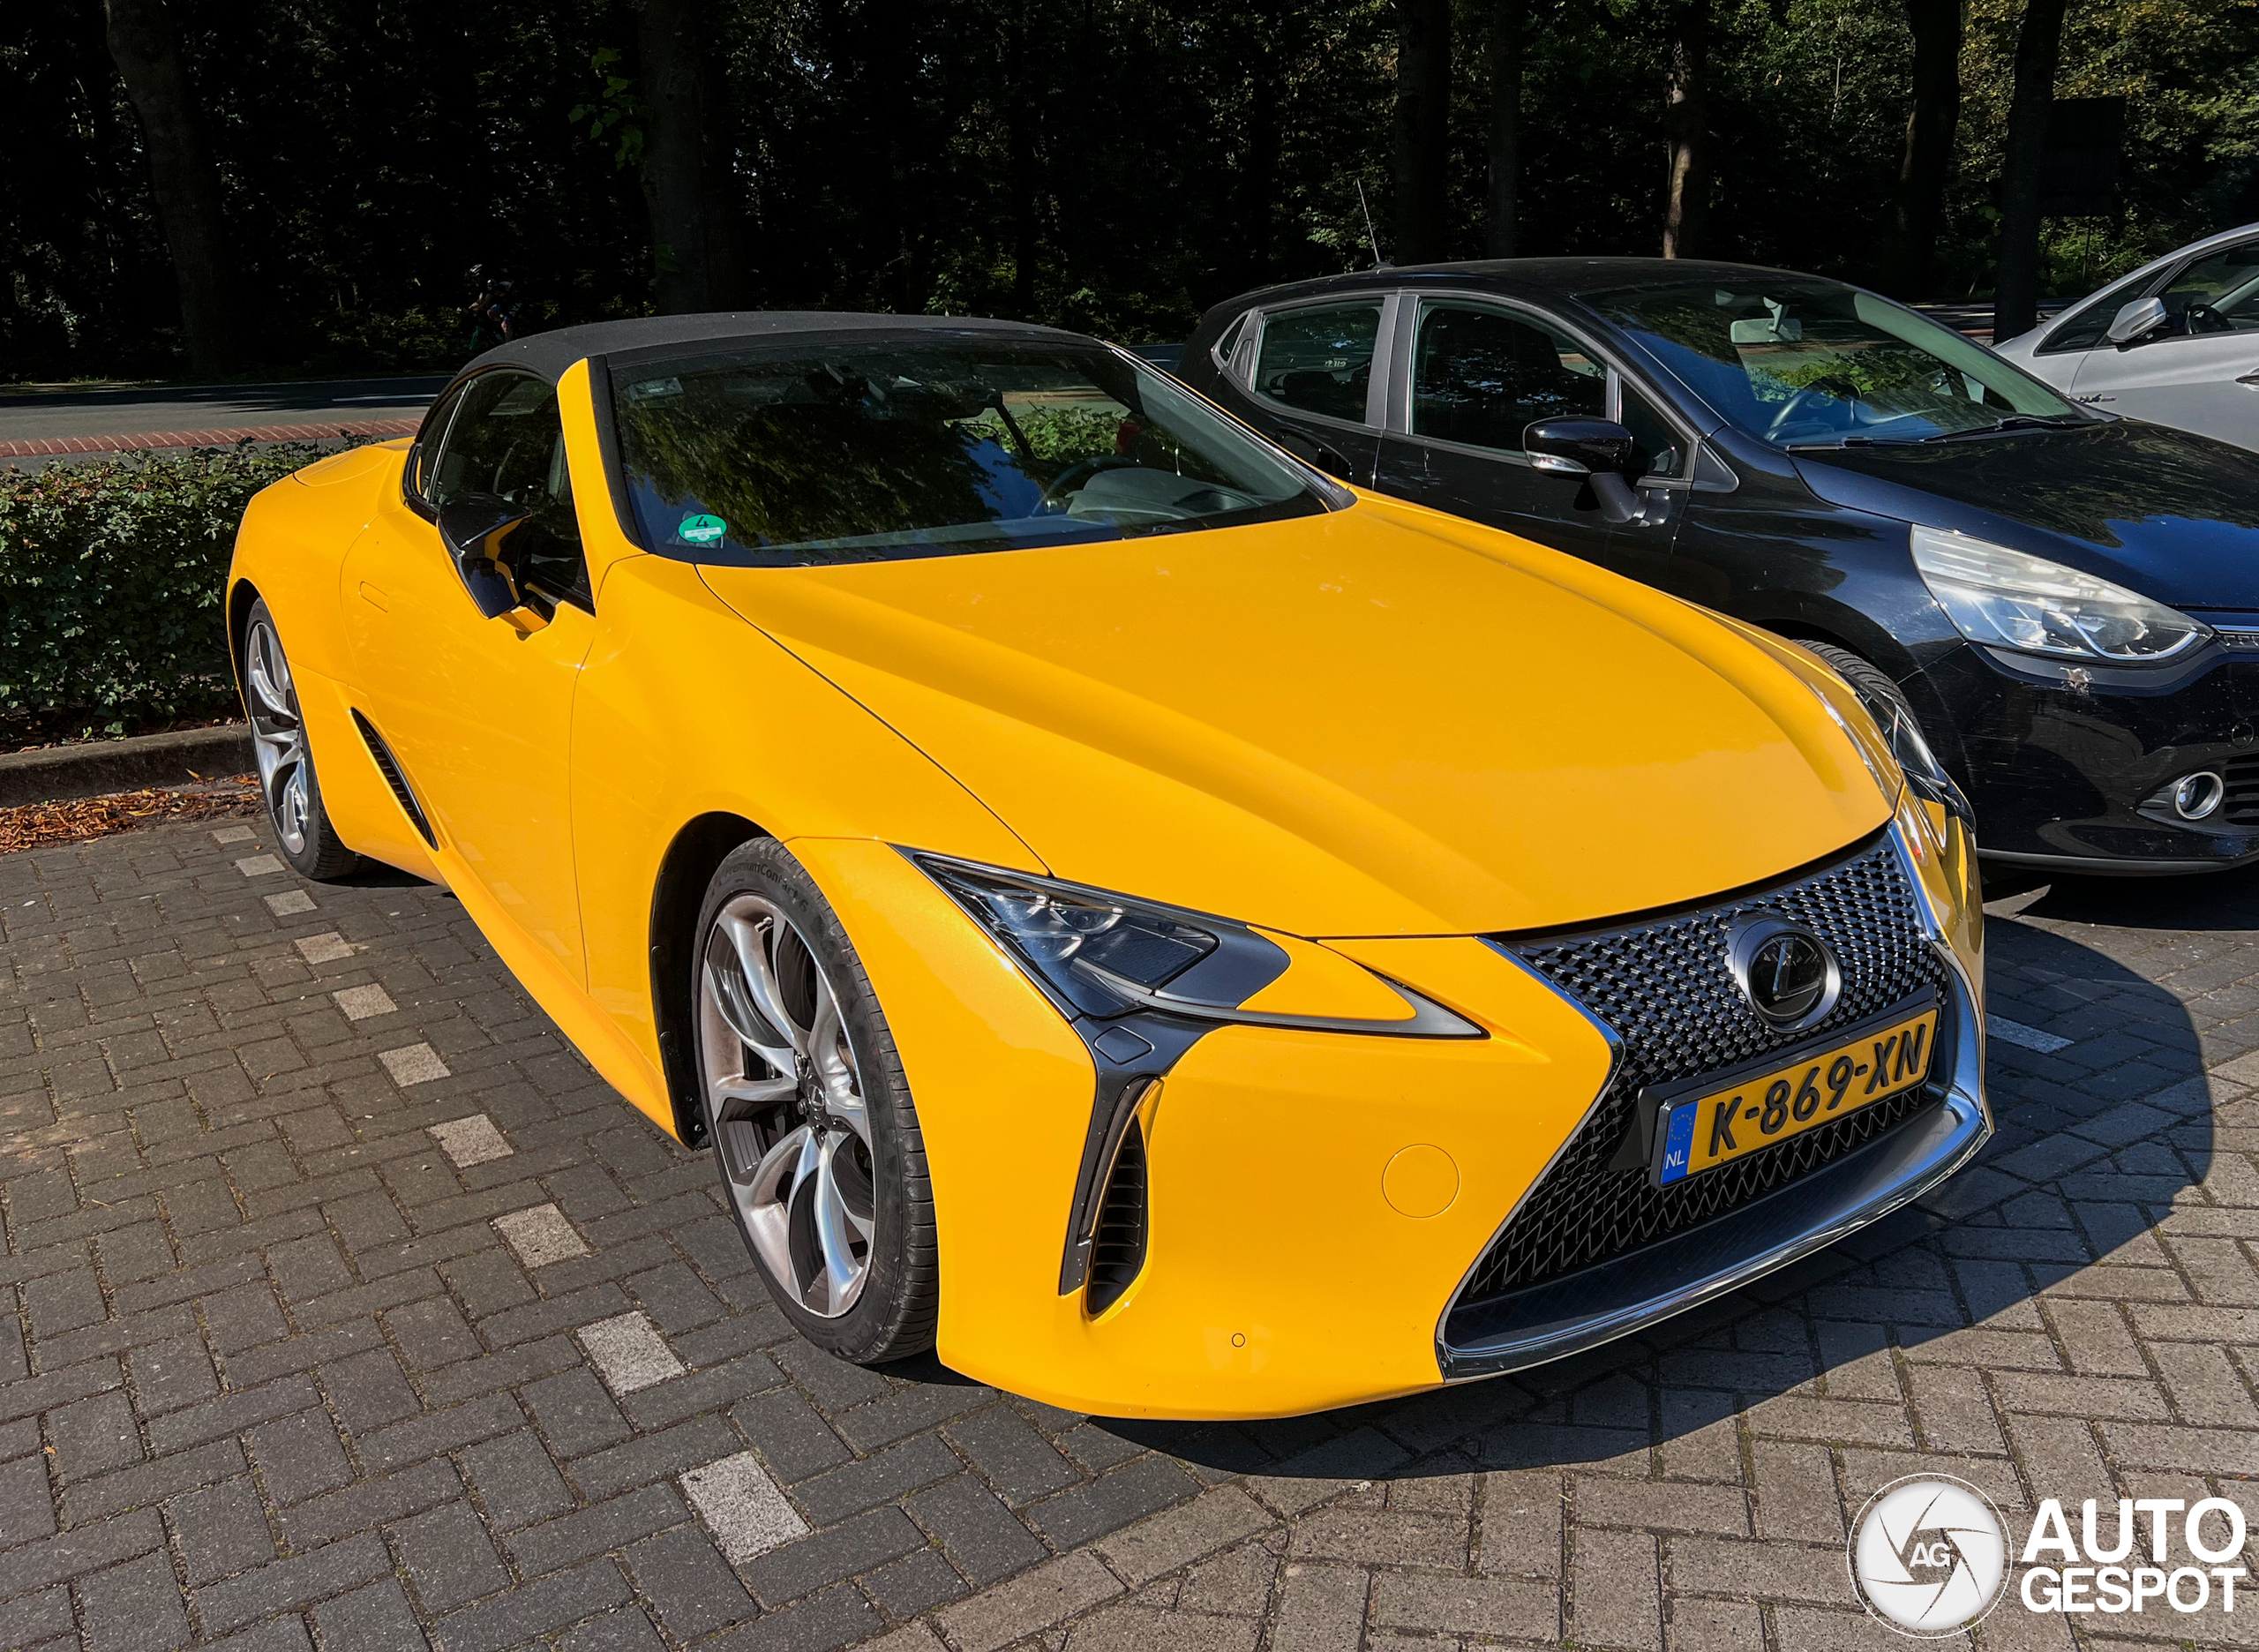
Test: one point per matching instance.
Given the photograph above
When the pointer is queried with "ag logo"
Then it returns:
(1929, 1555)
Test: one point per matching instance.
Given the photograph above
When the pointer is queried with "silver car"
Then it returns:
(2176, 342)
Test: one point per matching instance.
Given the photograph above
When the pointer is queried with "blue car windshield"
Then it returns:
(1805, 363)
(854, 454)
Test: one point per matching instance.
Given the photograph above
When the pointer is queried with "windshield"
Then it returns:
(853, 454)
(1805, 363)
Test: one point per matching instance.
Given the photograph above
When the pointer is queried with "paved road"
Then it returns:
(62, 413)
(343, 1306)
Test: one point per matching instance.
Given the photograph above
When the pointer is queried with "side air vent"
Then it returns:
(388, 766)
(1118, 1251)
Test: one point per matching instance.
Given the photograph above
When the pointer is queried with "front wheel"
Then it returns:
(1869, 681)
(813, 1126)
(302, 826)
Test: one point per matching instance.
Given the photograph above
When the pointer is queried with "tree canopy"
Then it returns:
(1114, 166)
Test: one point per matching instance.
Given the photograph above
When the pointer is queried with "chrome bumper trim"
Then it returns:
(1597, 1304)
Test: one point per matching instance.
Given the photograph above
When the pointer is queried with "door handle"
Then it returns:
(374, 597)
(2251, 378)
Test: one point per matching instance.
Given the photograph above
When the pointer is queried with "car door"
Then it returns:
(1472, 374)
(2199, 370)
(1306, 376)
(475, 712)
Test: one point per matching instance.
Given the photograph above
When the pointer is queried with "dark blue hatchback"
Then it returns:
(2066, 604)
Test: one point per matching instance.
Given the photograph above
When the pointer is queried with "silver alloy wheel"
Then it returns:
(784, 1098)
(278, 734)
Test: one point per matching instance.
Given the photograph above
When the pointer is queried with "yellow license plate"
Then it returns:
(1770, 1103)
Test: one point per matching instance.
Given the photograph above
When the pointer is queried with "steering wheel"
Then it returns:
(1842, 389)
(2202, 317)
(1075, 475)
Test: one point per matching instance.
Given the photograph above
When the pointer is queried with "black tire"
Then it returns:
(898, 1299)
(291, 789)
(1867, 679)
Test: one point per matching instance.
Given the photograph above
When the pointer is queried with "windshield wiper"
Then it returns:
(1851, 441)
(2013, 422)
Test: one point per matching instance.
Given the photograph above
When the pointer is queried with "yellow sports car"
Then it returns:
(1184, 937)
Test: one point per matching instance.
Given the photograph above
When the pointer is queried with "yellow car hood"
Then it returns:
(1380, 721)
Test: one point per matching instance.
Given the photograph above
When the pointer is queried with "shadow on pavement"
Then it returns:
(2092, 1137)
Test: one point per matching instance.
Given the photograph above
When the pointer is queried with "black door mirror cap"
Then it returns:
(1600, 453)
(1580, 446)
(473, 529)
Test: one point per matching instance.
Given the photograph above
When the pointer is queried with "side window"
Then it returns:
(2084, 330)
(418, 477)
(1662, 452)
(1320, 361)
(1221, 350)
(2218, 293)
(1481, 376)
(507, 443)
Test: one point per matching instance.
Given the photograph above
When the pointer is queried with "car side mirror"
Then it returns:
(473, 529)
(2136, 322)
(1600, 453)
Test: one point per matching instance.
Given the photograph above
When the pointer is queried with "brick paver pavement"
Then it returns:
(343, 1307)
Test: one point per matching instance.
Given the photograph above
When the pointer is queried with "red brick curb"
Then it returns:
(40, 447)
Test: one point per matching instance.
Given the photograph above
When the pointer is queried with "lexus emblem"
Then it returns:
(1786, 972)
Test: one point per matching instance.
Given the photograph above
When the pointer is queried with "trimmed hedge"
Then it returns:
(112, 606)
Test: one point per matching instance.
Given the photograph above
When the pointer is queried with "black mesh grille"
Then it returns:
(1118, 1250)
(1663, 987)
(389, 767)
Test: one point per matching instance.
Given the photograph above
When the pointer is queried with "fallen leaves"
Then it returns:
(42, 825)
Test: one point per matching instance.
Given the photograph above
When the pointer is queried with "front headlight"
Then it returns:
(1103, 954)
(1924, 774)
(2006, 598)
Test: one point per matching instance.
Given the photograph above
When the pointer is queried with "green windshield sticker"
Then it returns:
(701, 529)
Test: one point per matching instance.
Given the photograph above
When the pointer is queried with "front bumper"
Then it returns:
(1565, 1316)
(1315, 1199)
(2064, 762)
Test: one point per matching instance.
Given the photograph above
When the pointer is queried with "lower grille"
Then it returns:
(1118, 1251)
(1663, 989)
(2242, 807)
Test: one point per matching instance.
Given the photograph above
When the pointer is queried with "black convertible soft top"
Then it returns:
(549, 354)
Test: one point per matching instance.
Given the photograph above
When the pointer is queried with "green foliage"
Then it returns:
(616, 110)
(1059, 436)
(2189, 72)
(1145, 159)
(112, 580)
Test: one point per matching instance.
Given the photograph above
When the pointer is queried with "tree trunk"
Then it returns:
(1928, 160)
(1259, 175)
(2016, 292)
(888, 91)
(1020, 134)
(686, 183)
(1508, 18)
(1423, 130)
(186, 184)
(1685, 127)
